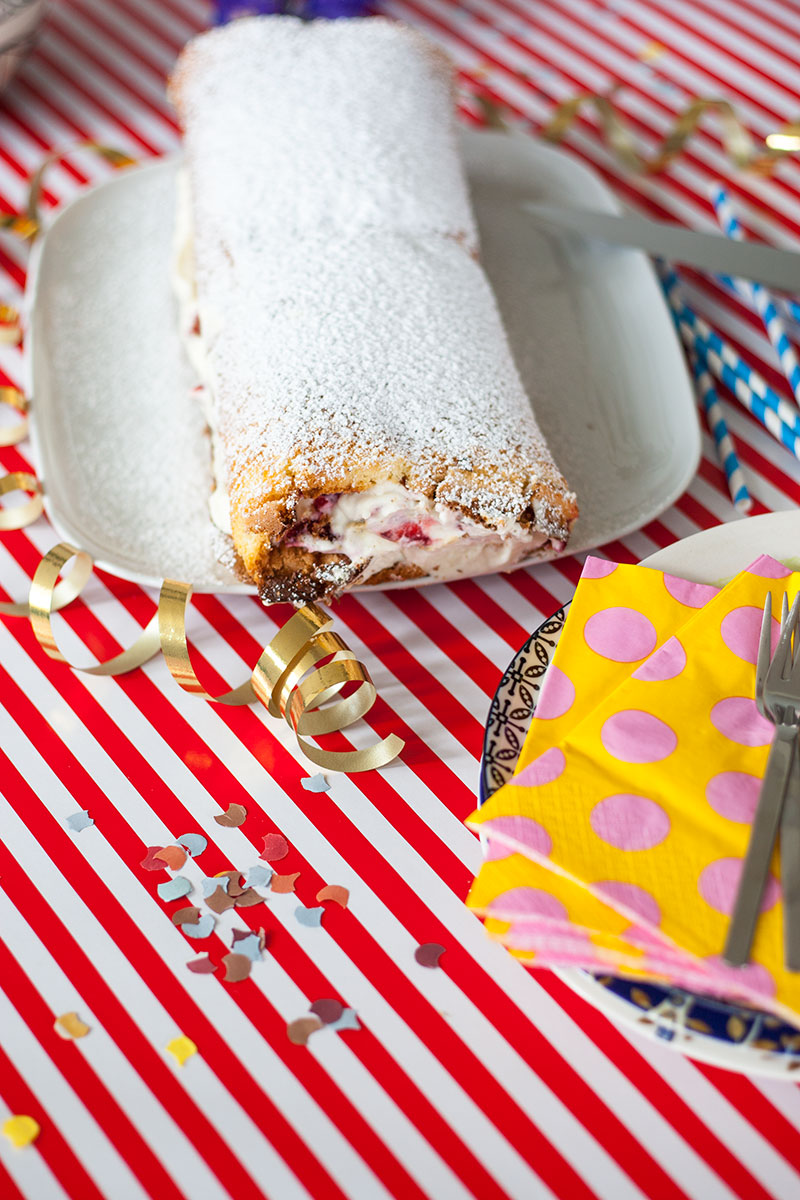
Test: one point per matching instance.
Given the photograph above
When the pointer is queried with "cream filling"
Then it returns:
(439, 540)
(387, 524)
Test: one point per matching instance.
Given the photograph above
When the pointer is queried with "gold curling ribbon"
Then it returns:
(21, 514)
(287, 678)
(41, 607)
(14, 398)
(10, 327)
(737, 142)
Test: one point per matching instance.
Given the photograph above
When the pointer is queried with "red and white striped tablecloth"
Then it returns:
(476, 1079)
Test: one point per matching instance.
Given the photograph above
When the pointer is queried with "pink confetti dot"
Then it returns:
(768, 568)
(620, 634)
(693, 595)
(522, 831)
(741, 629)
(635, 736)
(666, 663)
(734, 794)
(738, 719)
(632, 898)
(720, 879)
(558, 695)
(544, 769)
(597, 568)
(752, 975)
(527, 901)
(629, 822)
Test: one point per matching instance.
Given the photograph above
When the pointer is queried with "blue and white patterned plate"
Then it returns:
(703, 1027)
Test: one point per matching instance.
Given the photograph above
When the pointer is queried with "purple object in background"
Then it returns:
(227, 10)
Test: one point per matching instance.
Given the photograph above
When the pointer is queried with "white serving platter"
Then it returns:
(119, 442)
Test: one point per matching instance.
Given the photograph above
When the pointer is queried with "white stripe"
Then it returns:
(405, 1046)
(734, 1130)
(231, 1119)
(161, 1133)
(79, 1128)
(571, 1138)
(160, 55)
(92, 39)
(729, 39)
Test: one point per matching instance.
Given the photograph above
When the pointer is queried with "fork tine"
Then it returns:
(764, 650)
(782, 658)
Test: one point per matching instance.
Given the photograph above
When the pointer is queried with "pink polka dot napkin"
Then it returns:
(618, 844)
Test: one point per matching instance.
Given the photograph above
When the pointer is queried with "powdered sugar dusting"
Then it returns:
(320, 127)
(352, 336)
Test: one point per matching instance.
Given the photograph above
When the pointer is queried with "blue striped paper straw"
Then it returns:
(726, 363)
(726, 453)
(789, 309)
(760, 298)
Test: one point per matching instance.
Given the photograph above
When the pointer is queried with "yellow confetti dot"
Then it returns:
(69, 1025)
(181, 1048)
(21, 1130)
(651, 51)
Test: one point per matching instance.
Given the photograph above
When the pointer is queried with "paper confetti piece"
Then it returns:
(275, 847)
(348, 1020)
(219, 900)
(80, 820)
(237, 967)
(233, 816)
(181, 1048)
(202, 929)
(328, 1011)
(186, 916)
(309, 916)
(258, 876)
(150, 862)
(173, 889)
(209, 886)
(69, 1025)
(334, 891)
(193, 843)
(651, 51)
(428, 954)
(300, 1031)
(234, 885)
(284, 883)
(316, 783)
(201, 966)
(248, 898)
(21, 1130)
(248, 944)
(173, 856)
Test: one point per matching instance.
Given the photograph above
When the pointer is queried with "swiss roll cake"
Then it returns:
(368, 422)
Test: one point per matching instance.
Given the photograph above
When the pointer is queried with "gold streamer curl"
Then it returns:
(14, 398)
(288, 678)
(740, 146)
(21, 515)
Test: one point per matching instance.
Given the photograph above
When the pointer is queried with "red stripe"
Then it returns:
(430, 929)
(130, 48)
(395, 985)
(70, 36)
(56, 76)
(143, 959)
(90, 1089)
(53, 1147)
(8, 1188)
(681, 1114)
(603, 33)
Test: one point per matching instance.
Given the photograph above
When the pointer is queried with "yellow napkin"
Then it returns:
(645, 799)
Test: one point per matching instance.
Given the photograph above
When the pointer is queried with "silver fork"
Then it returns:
(778, 699)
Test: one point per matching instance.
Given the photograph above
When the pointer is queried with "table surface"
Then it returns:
(477, 1078)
